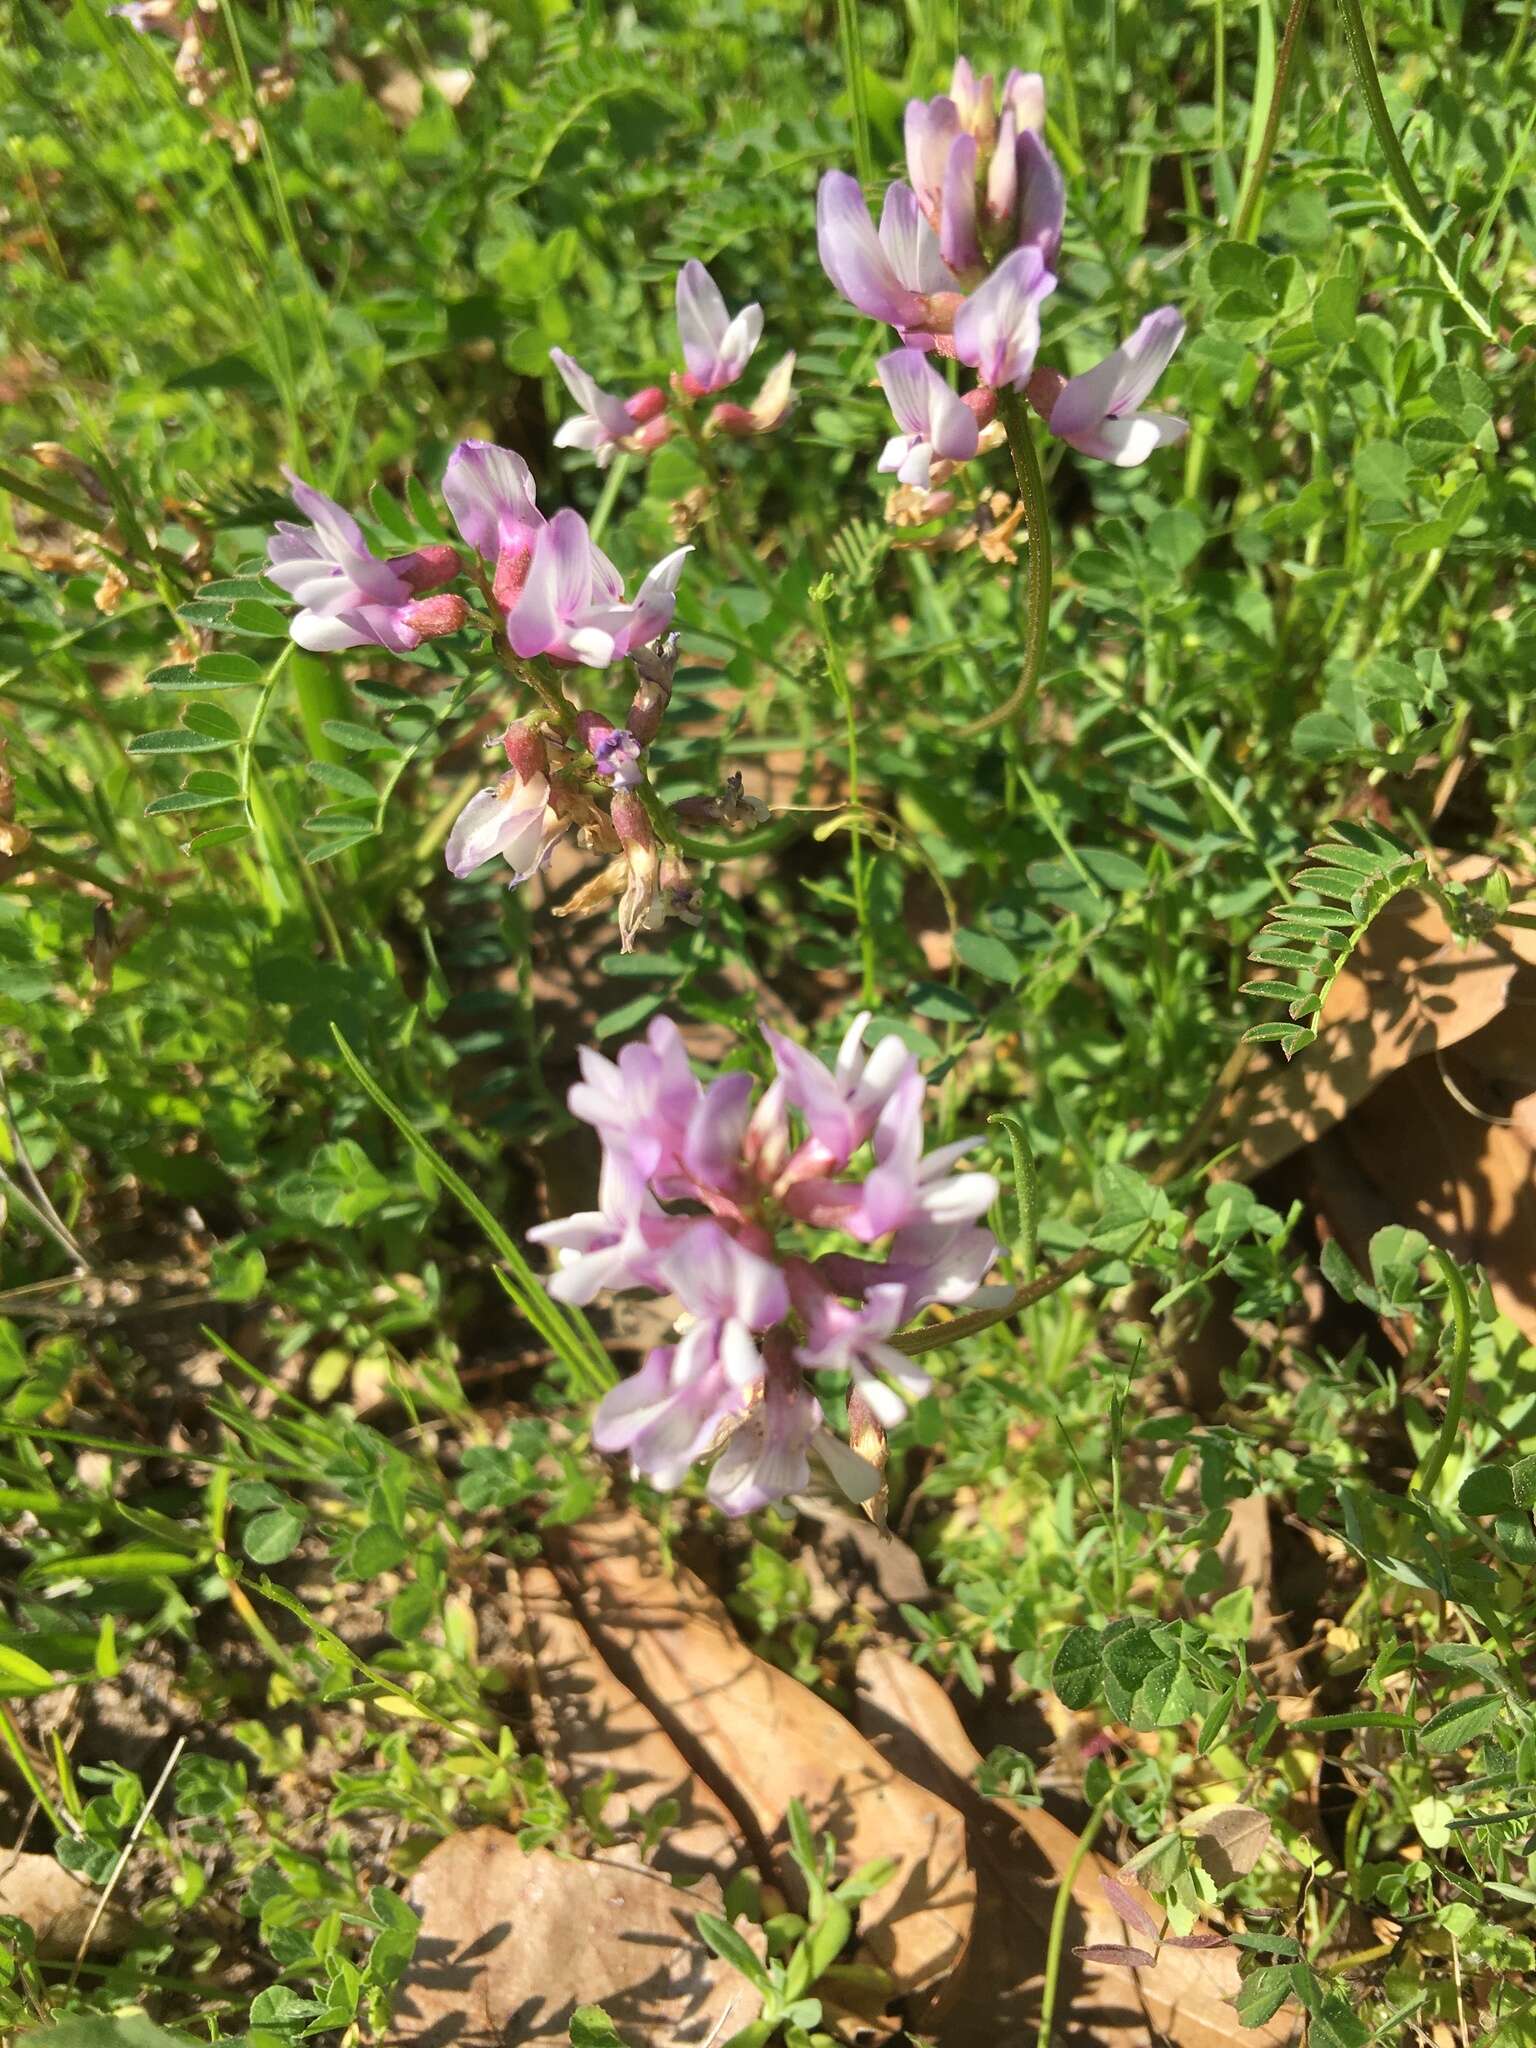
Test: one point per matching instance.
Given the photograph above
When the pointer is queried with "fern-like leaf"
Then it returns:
(1351, 877)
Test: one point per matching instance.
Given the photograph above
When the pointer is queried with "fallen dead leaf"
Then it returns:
(512, 1941)
(1229, 1840)
(57, 1907)
(1021, 1856)
(596, 1725)
(1418, 1098)
(760, 1739)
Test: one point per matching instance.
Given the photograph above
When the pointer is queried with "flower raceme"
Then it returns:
(347, 597)
(717, 347)
(706, 1193)
(962, 262)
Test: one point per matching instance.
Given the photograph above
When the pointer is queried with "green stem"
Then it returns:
(1057, 1939)
(1456, 1371)
(858, 875)
(11, 1736)
(930, 1339)
(1247, 212)
(1014, 414)
(1376, 107)
(1414, 204)
(858, 90)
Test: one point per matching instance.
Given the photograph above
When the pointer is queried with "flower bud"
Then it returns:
(1043, 389)
(646, 405)
(730, 418)
(631, 821)
(526, 751)
(982, 402)
(432, 617)
(654, 434)
(426, 568)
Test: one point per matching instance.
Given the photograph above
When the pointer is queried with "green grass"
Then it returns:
(282, 1099)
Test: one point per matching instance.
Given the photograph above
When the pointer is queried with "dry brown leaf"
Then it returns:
(1021, 1855)
(1466, 1183)
(1229, 1840)
(57, 1907)
(1411, 989)
(512, 1941)
(597, 1725)
(761, 1739)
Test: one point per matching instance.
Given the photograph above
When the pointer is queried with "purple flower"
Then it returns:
(958, 243)
(770, 409)
(606, 422)
(724, 1283)
(932, 1263)
(669, 1414)
(514, 818)
(757, 1319)
(572, 607)
(931, 128)
(347, 596)
(1024, 98)
(1042, 198)
(716, 348)
(840, 1106)
(973, 98)
(1097, 412)
(841, 1338)
(489, 491)
(904, 1188)
(614, 1246)
(642, 1104)
(935, 422)
(766, 1456)
(897, 275)
(997, 330)
(614, 749)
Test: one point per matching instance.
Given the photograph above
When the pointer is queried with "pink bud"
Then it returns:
(731, 419)
(1043, 390)
(646, 404)
(432, 617)
(526, 750)
(686, 385)
(631, 821)
(654, 434)
(982, 402)
(646, 710)
(429, 566)
(512, 567)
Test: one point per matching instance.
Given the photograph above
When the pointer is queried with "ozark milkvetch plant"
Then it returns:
(555, 606)
(724, 1202)
(962, 262)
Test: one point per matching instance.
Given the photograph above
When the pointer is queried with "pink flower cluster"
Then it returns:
(716, 350)
(961, 264)
(718, 1196)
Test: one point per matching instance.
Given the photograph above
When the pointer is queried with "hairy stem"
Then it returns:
(1247, 212)
(1014, 414)
(1455, 1373)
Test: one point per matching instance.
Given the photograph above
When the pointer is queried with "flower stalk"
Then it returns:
(1014, 414)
